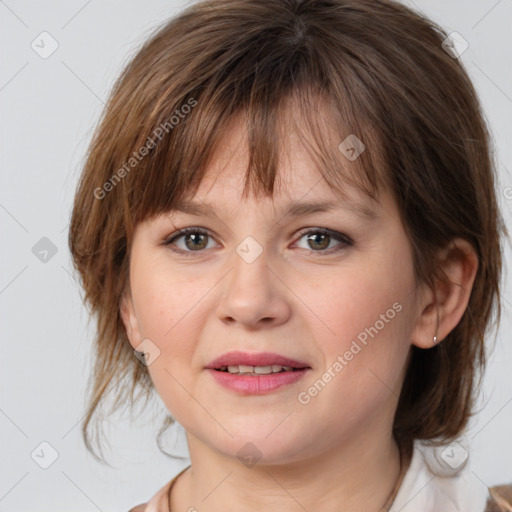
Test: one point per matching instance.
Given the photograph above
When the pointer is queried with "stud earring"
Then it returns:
(435, 337)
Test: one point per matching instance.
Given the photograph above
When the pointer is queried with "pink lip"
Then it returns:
(254, 359)
(257, 384)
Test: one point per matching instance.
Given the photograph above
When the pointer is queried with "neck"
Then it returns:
(355, 476)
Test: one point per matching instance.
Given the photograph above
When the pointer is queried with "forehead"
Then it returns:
(306, 205)
(301, 187)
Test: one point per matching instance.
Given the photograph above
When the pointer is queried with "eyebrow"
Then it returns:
(294, 209)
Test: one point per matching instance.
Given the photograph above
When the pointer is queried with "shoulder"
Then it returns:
(500, 499)
(159, 500)
(155, 503)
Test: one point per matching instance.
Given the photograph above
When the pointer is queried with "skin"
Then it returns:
(337, 450)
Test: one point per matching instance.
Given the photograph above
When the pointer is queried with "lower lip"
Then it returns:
(257, 384)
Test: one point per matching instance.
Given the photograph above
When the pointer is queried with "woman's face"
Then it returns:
(257, 283)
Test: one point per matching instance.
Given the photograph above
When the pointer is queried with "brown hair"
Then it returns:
(385, 77)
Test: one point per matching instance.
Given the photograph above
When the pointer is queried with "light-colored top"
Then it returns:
(160, 501)
(440, 479)
(435, 480)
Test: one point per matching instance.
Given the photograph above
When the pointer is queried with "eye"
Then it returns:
(320, 239)
(195, 240)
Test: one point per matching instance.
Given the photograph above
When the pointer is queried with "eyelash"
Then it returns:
(346, 241)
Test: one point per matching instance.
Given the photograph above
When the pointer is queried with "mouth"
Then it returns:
(236, 379)
(256, 373)
(257, 370)
(252, 363)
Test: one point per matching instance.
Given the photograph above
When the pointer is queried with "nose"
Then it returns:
(253, 295)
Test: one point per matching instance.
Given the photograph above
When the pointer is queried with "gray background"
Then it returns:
(48, 110)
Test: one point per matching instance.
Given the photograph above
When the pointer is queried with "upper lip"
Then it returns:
(254, 359)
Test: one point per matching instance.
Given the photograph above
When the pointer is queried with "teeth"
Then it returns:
(256, 370)
(285, 368)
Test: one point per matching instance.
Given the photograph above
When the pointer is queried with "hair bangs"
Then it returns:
(272, 107)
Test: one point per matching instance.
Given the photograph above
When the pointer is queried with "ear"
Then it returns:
(440, 310)
(129, 318)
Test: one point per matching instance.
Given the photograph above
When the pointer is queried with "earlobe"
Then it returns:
(441, 309)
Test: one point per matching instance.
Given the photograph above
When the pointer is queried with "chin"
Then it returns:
(259, 445)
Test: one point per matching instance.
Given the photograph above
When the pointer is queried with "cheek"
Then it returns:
(365, 329)
(166, 315)
(163, 300)
(171, 310)
(354, 302)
